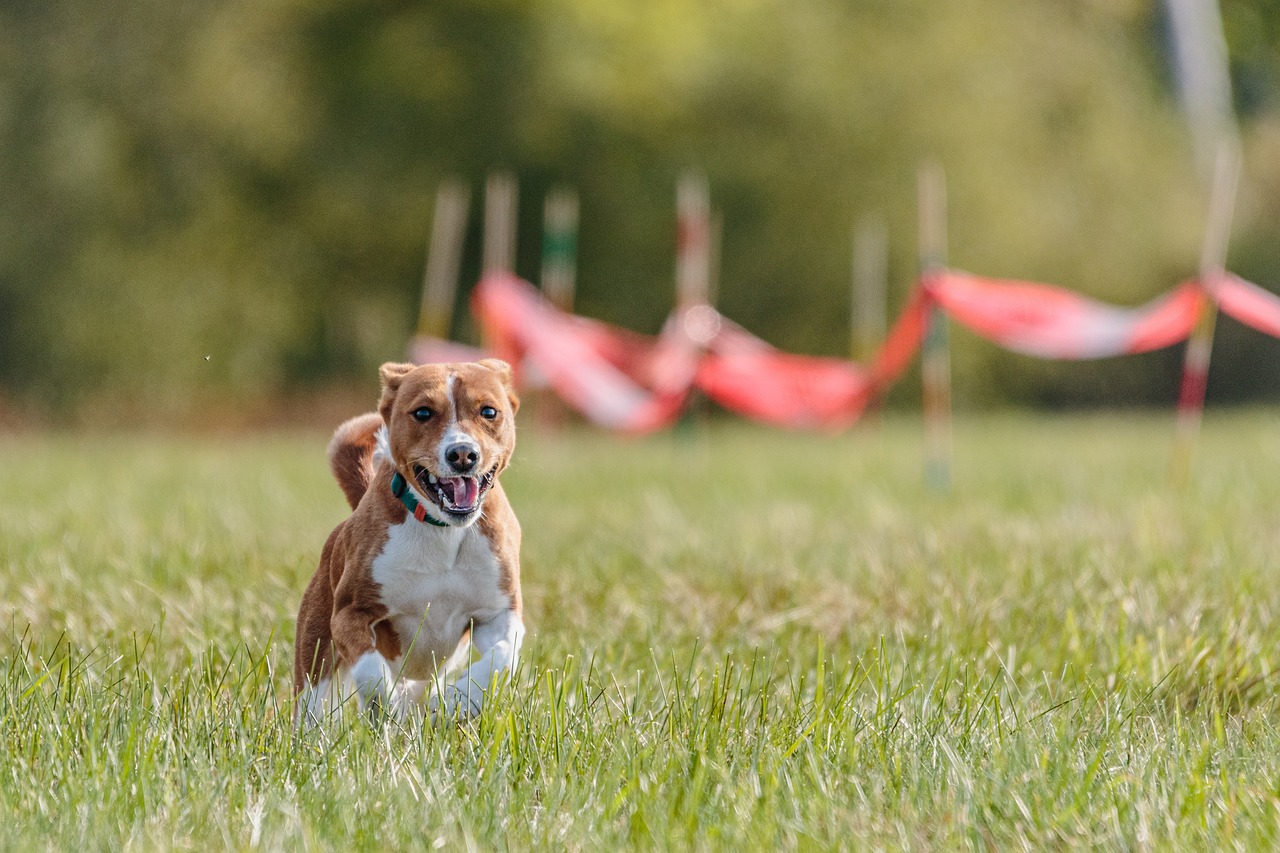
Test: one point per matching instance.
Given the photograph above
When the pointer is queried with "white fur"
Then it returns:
(453, 402)
(313, 704)
(375, 682)
(435, 583)
(371, 680)
(382, 446)
(498, 644)
(454, 434)
(371, 676)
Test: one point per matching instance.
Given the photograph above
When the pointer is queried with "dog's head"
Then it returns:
(451, 430)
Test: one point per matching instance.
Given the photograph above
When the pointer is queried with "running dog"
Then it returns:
(428, 563)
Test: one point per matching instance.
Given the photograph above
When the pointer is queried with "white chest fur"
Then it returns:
(435, 582)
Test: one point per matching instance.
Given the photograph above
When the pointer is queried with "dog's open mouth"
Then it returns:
(455, 495)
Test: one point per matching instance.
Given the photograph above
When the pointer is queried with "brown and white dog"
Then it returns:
(428, 562)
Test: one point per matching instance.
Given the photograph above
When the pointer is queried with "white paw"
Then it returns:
(396, 705)
(376, 689)
(311, 708)
(461, 700)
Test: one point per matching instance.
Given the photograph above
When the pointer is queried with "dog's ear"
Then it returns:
(499, 367)
(507, 376)
(391, 374)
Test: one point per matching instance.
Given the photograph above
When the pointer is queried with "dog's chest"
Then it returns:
(435, 582)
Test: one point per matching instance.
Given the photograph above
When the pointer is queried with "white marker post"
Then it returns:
(869, 321)
(936, 358)
(693, 242)
(500, 198)
(693, 267)
(1195, 362)
(444, 256)
(559, 280)
(1204, 87)
(560, 247)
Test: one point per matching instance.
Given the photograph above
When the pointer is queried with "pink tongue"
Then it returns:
(465, 490)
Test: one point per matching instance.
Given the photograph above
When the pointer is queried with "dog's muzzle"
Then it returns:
(459, 496)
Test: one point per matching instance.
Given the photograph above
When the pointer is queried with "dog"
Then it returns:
(428, 563)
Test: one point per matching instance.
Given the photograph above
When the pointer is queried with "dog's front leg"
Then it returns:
(498, 644)
(368, 672)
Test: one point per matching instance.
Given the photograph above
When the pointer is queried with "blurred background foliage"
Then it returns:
(253, 180)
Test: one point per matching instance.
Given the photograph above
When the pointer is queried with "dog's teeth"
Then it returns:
(432, 478)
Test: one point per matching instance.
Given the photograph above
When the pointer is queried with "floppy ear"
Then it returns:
(391, 374)
(506, 374)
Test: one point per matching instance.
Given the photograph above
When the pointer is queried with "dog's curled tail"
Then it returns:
(351, 454)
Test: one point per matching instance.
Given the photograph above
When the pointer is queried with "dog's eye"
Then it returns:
(488, 413)
(421, 414)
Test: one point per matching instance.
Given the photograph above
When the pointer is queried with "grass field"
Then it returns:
(738, 639)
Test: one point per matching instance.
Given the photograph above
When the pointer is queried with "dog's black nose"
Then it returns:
(462, 457)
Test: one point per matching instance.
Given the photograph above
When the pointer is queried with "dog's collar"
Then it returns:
(400, 488)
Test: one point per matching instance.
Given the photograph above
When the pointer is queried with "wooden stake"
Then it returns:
(444, 255)
(695, 236)
(500, 223)
(1213, 260)
(869, 320)
(693, 242)
(559, 266)
(936, 358)
(560, 247)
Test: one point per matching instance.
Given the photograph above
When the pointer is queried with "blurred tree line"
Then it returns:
(253, 180)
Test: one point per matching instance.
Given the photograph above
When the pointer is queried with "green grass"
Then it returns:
(738, 639)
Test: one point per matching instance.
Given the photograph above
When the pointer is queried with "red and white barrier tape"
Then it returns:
(1248, 303)
(614, 378)
(635, 383)
(1052, 322)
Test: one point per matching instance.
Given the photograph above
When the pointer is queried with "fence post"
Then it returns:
(870, 287)
(444, 255)
(697, 237)
(936, 358)
(560, 247)
(1213, 261)
(500, 201)
(559, 282)
(693, 241)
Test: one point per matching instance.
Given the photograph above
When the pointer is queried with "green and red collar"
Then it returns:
(400, 488)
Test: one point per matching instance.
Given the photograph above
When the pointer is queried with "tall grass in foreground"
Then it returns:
(738, 638)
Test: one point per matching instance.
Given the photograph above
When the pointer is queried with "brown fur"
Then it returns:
(342, 611)
(351, 455)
